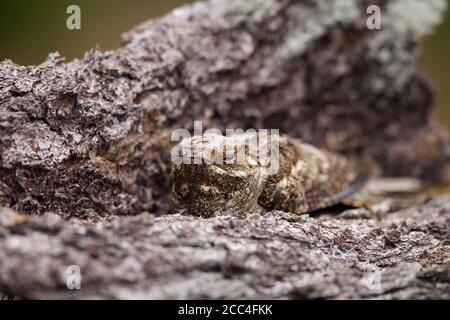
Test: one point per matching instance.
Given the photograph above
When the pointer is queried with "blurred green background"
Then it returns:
(29, 30)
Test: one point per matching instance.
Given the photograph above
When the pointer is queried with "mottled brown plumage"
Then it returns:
(310, 178)
(307, 179)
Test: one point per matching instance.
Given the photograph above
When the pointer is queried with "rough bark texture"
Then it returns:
(356, 254)
(91, 139)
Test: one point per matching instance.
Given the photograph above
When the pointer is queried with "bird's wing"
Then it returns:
(310, 178)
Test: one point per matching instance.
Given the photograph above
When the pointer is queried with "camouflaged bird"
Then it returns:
(208, 179)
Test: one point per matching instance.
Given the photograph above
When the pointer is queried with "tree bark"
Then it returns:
(90, 139)
(356, 254)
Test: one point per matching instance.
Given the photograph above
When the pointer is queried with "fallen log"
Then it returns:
(84, 142)
(357, 254)
(92, 137)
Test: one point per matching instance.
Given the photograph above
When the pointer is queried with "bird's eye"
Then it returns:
(228, 157)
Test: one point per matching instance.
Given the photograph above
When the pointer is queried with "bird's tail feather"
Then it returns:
(402, 192)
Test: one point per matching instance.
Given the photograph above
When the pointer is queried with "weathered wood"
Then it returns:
(353, 255)
(91, 137)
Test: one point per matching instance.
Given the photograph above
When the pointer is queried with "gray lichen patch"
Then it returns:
(415, 18)
(299, 39)
(341, 11)
(256, 9)
(408, 18)
(314, 24)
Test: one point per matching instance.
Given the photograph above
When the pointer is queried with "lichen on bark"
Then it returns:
(86, 143)
(402, 255)
(92, 136)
